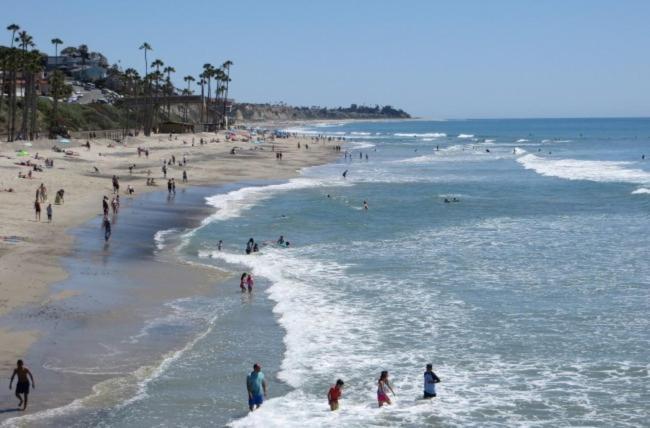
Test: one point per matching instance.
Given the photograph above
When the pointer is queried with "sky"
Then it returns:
(435, 59)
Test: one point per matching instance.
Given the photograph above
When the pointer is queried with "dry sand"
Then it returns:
(31, 262)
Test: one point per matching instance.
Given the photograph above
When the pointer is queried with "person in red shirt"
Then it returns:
(334, 394)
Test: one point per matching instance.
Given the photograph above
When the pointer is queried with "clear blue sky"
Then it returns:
(436, 59)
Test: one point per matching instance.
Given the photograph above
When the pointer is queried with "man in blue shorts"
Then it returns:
(256, 386)
(430, 380)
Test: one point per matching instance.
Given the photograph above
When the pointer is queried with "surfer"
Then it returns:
(430, 380)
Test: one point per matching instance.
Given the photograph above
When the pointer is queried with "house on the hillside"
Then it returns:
(74, 67)
(89, 73)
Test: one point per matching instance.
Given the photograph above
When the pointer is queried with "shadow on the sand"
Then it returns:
(10, 410)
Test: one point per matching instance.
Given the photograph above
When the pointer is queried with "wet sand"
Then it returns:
(30, 251)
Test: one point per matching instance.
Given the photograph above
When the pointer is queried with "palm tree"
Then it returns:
(202, 82)
(13, 28)
(189, 80)
(146, 47)
(157, 64)
(84, 54)
(208, 72)
(218, 92)
(10, 63)
(58, 90)
(56, 42)
(26, 41)
(226, 66)
(170, 88)
(35, 63)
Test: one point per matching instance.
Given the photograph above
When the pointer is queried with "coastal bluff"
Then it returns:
(274, 112)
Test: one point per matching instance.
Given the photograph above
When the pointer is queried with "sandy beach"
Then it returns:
(30, 251)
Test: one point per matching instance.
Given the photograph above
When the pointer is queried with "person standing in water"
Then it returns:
(430, 380)
(256, 386)
(220, 245)
(345, 173)
(242, 282)
(22, 386)
(334, 394)
(365, 205)
(250, 282)
(383, 386)
(106, 225)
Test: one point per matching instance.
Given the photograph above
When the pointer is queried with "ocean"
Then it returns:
(510, 254)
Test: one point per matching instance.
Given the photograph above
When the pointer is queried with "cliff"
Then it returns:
(268, 112)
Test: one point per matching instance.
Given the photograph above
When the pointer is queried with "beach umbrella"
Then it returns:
(64, 141)
(23, 153)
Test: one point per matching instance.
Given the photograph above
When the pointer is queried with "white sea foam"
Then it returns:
(465, 136)
(421, 135)
(641, 191)
(161, 236)
(490, 141)
(521, 140)
(573, 169)
(232, 204)
(359, 133)
(357, 145)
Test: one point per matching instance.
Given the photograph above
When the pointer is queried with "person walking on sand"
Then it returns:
(430, 380)
(334, 394)
(184, 176)
(383, 387)
(105, 205)
(256, 386)
(250, 282)
(49, 213)
(22, 386)
(37, 210)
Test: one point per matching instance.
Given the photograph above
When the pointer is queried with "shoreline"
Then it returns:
(38, 248)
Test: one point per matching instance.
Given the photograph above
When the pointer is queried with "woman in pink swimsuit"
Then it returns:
(383, 386)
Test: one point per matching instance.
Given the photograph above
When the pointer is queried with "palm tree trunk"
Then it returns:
(23, 125)
(14, 104)
(34, 105)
